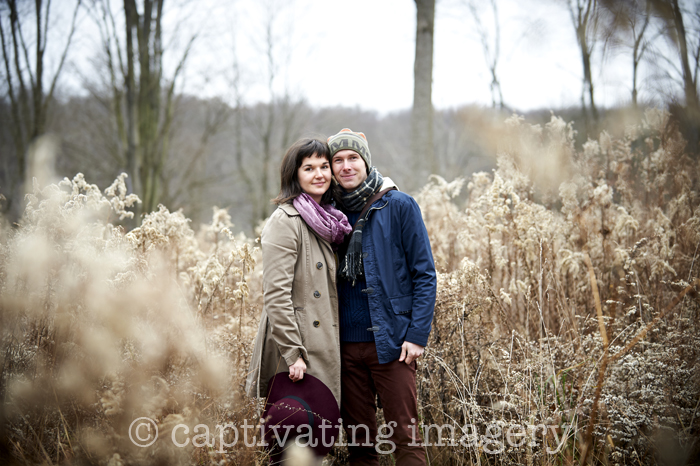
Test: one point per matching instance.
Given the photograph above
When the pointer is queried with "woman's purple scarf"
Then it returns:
(327, 221)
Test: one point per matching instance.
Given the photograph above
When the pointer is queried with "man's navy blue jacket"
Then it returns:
(400, 274)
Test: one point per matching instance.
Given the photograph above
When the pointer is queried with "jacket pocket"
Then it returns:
(300, 314)
(402, 304)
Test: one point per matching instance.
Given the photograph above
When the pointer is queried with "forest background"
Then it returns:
(567, 267)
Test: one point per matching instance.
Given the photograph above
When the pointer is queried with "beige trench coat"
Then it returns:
(300, 313)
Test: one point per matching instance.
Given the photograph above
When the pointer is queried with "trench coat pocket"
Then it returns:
(402, 304)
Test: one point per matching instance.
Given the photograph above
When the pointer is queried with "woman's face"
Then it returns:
(314, 176)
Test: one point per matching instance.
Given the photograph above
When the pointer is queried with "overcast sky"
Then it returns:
(361, 53)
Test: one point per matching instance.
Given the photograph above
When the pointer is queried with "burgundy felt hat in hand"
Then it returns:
(306, 409)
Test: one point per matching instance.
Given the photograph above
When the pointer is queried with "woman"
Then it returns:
(298, 330)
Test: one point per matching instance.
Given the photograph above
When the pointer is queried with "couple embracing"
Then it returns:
(349, 290)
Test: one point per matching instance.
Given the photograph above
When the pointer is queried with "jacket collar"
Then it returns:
(289, 209)
(389, 183)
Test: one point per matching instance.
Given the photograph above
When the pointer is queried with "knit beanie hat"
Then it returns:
(348, 139)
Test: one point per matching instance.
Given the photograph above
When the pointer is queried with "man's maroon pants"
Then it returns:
(363, 378)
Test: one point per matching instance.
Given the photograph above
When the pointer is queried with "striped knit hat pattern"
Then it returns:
(348, 139)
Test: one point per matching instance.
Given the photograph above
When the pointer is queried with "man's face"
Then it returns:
(349, 169)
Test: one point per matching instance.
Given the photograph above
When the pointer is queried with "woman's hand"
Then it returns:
(297, 370)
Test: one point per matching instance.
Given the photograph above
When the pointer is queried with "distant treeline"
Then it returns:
(229, 157)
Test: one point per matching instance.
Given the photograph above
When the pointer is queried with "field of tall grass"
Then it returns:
(566, 325)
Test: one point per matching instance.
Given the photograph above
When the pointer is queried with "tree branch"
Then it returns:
(49, 96)
(23, 44)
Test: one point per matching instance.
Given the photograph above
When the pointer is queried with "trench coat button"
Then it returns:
(316, 323)
(317, 294)
(319, 265)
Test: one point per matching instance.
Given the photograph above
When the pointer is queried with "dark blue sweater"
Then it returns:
(353, 305)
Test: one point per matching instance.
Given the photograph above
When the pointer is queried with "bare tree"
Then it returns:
(584, 17)
(143, 100)
(638, 21)
(274, 125)
(189, 175)
(683, 30)
(238, 120)
(422, 115)
(491, 52)
(628, 24)
(25, 34)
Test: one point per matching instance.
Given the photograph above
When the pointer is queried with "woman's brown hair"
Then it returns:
(289, 183)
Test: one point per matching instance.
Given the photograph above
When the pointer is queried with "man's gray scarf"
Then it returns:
(351, 266)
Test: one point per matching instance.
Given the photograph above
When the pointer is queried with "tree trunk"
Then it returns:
(588, 78)
(582, 13)
(689, 84)
(148, 115)
(688, 117)
(586, 49)
(635, 104)
(37, 85)
(422, 115)
(638, 49)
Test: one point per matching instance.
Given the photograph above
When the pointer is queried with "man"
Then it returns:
(386, 295)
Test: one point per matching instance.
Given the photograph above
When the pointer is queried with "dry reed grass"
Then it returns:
(521, 334)
(101, 326)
